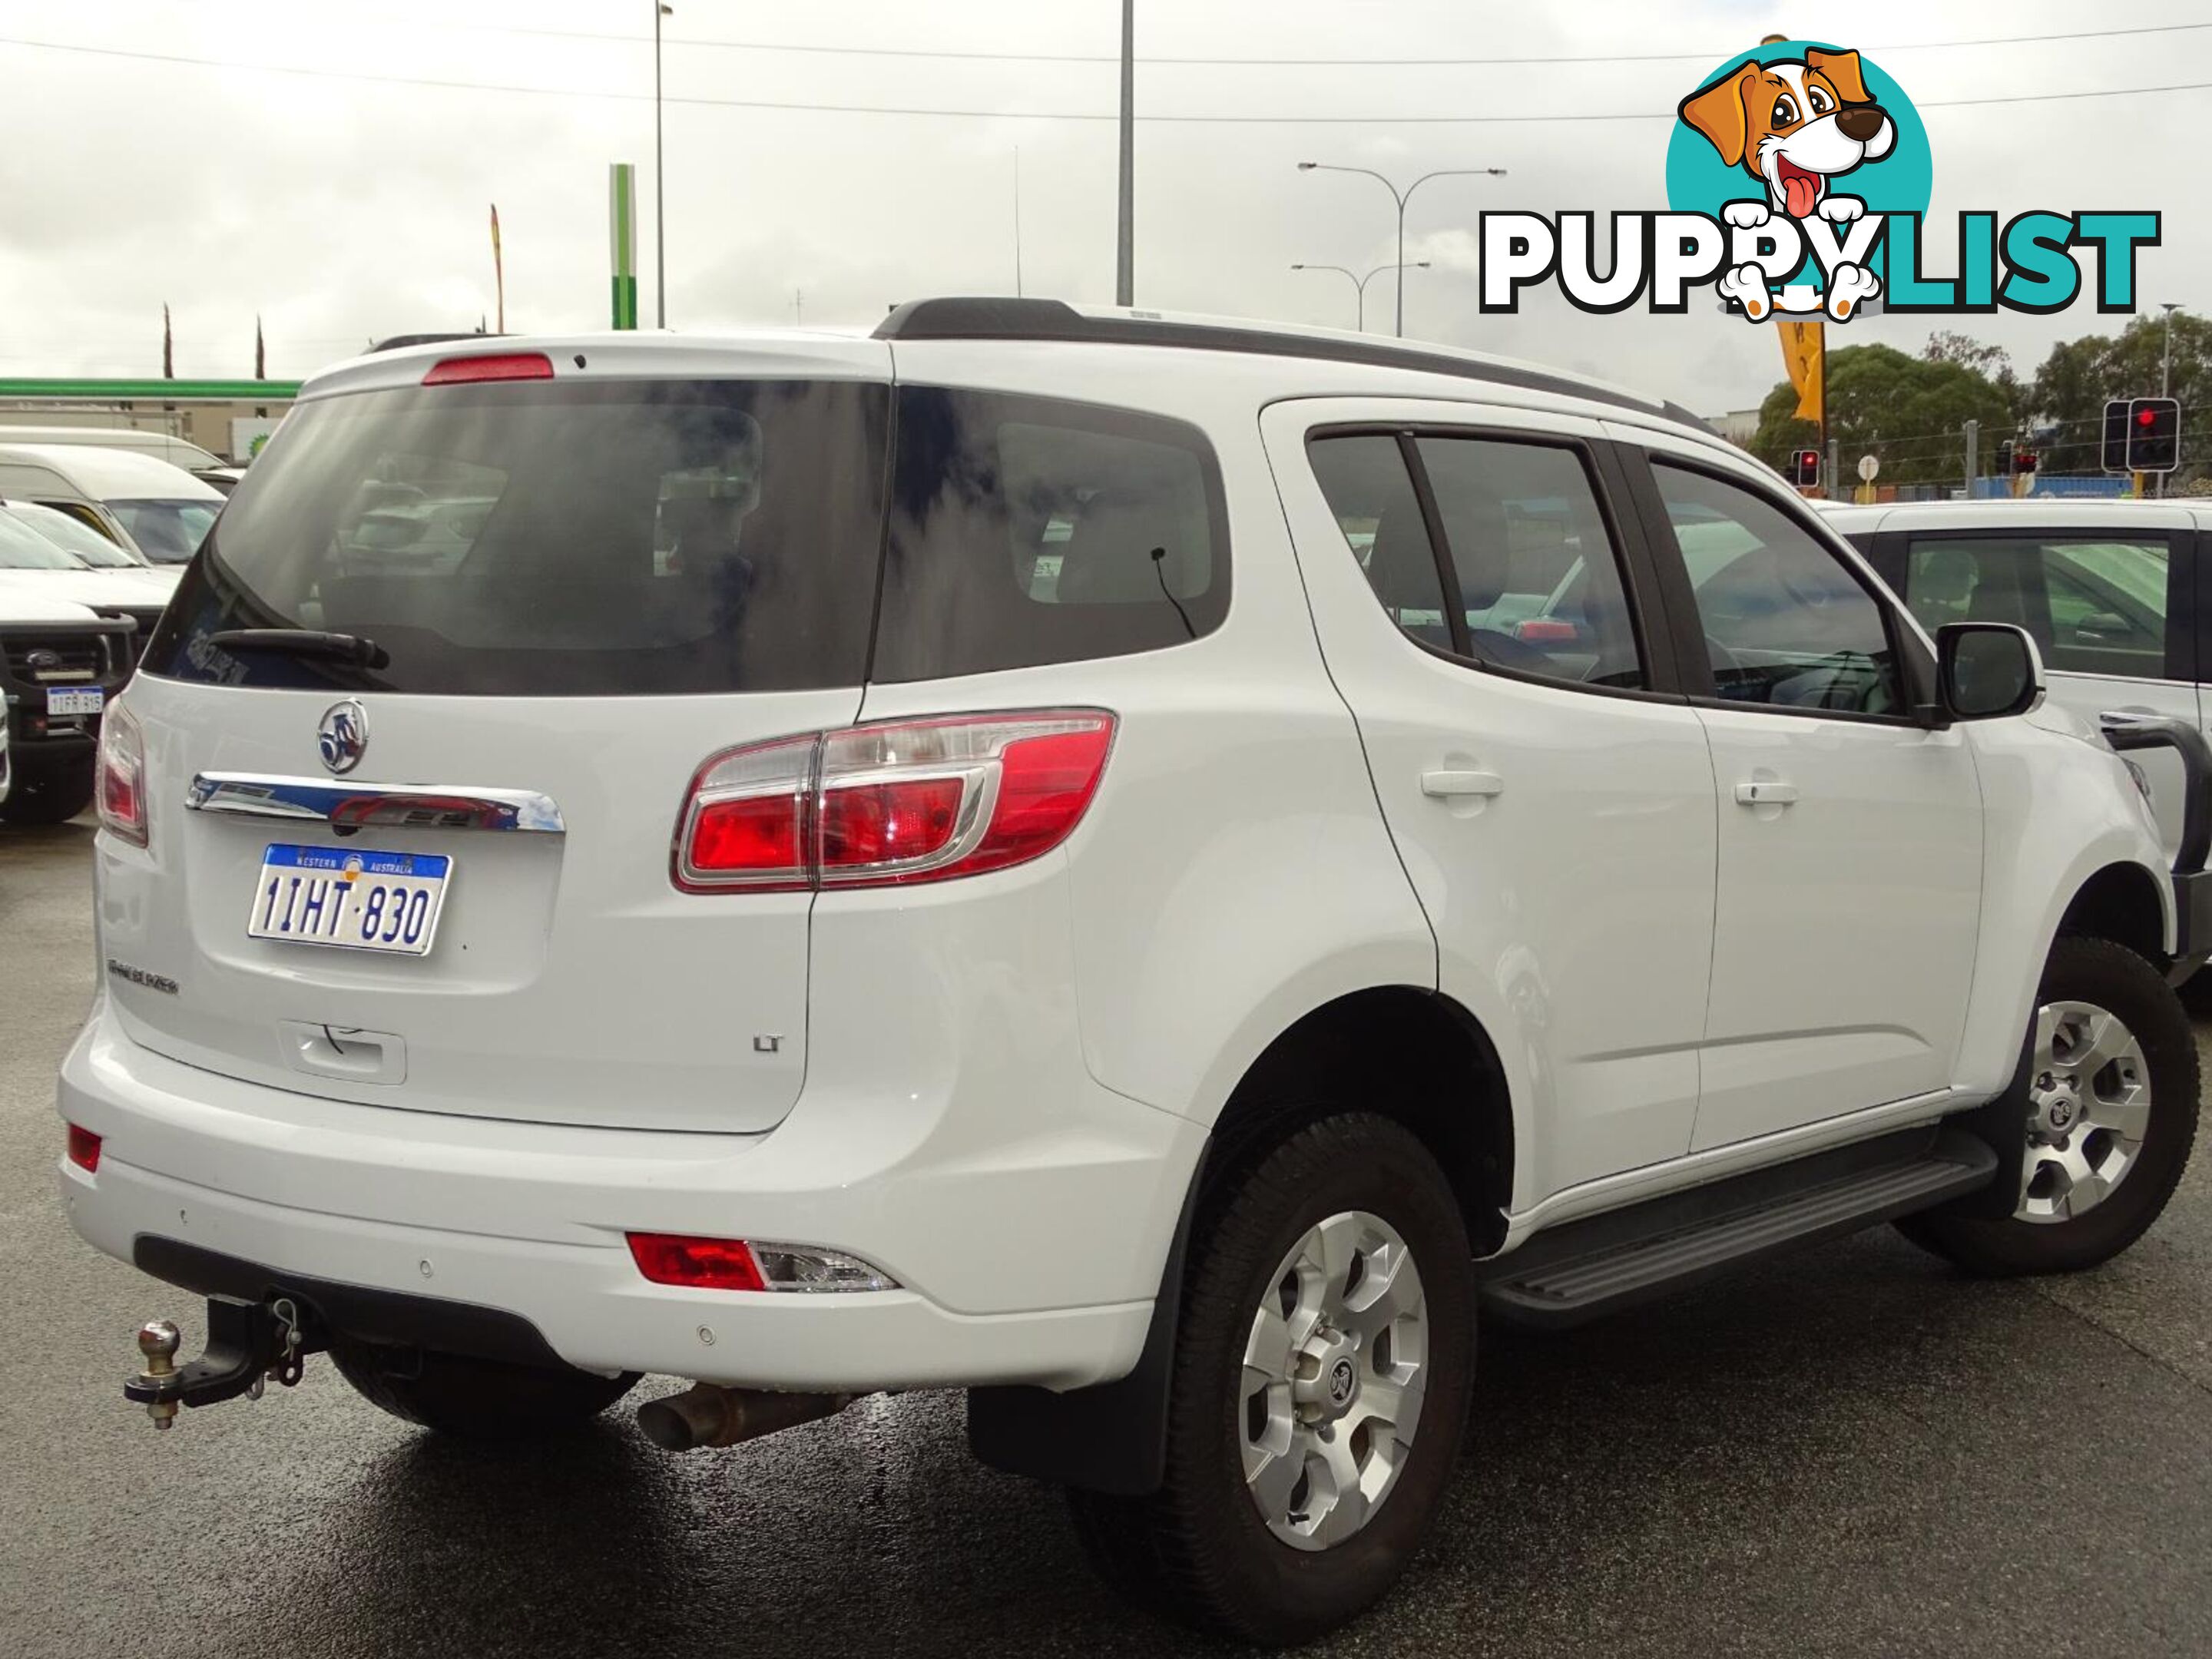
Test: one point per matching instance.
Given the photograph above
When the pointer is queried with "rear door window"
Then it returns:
(2095, 604)
(1026, 530)
(547, 539)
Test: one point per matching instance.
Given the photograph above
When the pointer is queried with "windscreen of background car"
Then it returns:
(543, 539)
(167, 533)
(1028, 529)
(75, 536)
(22, 548)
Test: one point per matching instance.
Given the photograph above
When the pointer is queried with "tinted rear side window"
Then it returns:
(1028, 530)
(550, 539)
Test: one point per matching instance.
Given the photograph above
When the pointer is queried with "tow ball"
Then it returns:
(250, 1344)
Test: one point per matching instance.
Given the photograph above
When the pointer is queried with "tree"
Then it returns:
(1911, 412)
(2066, 403)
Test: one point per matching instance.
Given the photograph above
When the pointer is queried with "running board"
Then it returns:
(1583, 1269)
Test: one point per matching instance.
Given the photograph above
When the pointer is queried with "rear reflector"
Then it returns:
(493, 366)
(733, 1264)
(704, 1264)
(901, 802)
(84, 1149)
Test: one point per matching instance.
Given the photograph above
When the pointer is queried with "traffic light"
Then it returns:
(2153, 434)
(2115, 436)
(2005, 452)
(2023, 460)
(1804, 469)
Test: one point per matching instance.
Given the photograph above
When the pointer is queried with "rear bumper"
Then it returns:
(1028, 1259)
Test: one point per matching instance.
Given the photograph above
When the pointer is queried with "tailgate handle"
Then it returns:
(344, 1051)
(360, 806)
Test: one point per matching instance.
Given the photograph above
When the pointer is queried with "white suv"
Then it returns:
(1136, 867)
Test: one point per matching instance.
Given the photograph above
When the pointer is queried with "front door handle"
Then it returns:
(1451, 785)
(1766, 793)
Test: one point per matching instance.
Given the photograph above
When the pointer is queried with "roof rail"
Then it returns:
(399, 342)
(1003, 318)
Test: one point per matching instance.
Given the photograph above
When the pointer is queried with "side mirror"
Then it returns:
(1986, 671)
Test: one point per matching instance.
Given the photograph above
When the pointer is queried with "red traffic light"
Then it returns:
(2146, 417)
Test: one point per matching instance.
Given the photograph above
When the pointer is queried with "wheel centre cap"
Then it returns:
(2060, 1110)
(1328, 1374)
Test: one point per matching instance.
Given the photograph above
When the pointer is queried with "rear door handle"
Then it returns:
(1450, 785)
(1766, 793)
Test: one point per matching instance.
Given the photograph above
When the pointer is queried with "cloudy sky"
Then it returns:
(240, 157)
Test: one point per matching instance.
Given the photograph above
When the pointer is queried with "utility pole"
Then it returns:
(659, 194)
(1125, 256)
(1974, 455)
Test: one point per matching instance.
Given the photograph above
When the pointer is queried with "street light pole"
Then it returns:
(1125, 255)
(1401, 197)
(1359, 283)
(1358, 289)
(659, 191)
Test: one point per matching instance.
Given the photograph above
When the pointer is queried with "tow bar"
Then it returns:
(250, 1344)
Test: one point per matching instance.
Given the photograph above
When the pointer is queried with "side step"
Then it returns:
(1583, 1269)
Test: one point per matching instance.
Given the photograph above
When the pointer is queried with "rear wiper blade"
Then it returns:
(304, 642)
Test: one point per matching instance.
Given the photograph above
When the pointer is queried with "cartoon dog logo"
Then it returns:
(1794, 124)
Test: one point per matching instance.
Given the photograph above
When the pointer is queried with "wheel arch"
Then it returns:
(2123, 903)
(1403, 1052)
(1437, 1072)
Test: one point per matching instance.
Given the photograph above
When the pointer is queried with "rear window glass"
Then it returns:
(538, 539)
(1028, 529)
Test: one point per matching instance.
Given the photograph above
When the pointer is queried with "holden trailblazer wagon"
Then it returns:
(1141, 868)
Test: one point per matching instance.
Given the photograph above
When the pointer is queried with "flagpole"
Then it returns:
(498, 270)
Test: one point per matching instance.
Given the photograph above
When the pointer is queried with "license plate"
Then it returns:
(76, 700)
(359, 900)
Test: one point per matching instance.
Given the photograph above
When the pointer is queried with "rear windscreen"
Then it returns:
(548, 539)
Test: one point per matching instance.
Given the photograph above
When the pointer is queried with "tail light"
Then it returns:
(909, 801)
(120, 785)
(1545, 630)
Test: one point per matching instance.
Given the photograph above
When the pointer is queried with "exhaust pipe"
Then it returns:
(706, 1415)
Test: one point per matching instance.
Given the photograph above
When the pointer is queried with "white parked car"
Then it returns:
(1031, 853)
(2107, 588)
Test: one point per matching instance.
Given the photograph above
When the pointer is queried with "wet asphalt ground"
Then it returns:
(1853, 1451)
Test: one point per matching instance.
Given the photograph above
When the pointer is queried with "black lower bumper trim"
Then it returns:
(357, 1311)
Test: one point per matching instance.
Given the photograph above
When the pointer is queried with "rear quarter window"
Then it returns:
(1026, 530)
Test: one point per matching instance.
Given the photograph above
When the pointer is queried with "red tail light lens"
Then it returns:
(909, 801)
(896, 823)
(84, 1149)
(120, 785)
(704, 1264)
(491, 366)
(1545, 630)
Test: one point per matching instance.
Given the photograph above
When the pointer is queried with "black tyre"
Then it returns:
(48, 795)
(1319, 1390)
(476, 1398)
(2107, 1096)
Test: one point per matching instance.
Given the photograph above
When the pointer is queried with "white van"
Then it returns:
(162, 509)
(160, 445)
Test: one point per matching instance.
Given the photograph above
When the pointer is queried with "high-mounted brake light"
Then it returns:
(491, 366)
(120, 779)
(903, 801)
